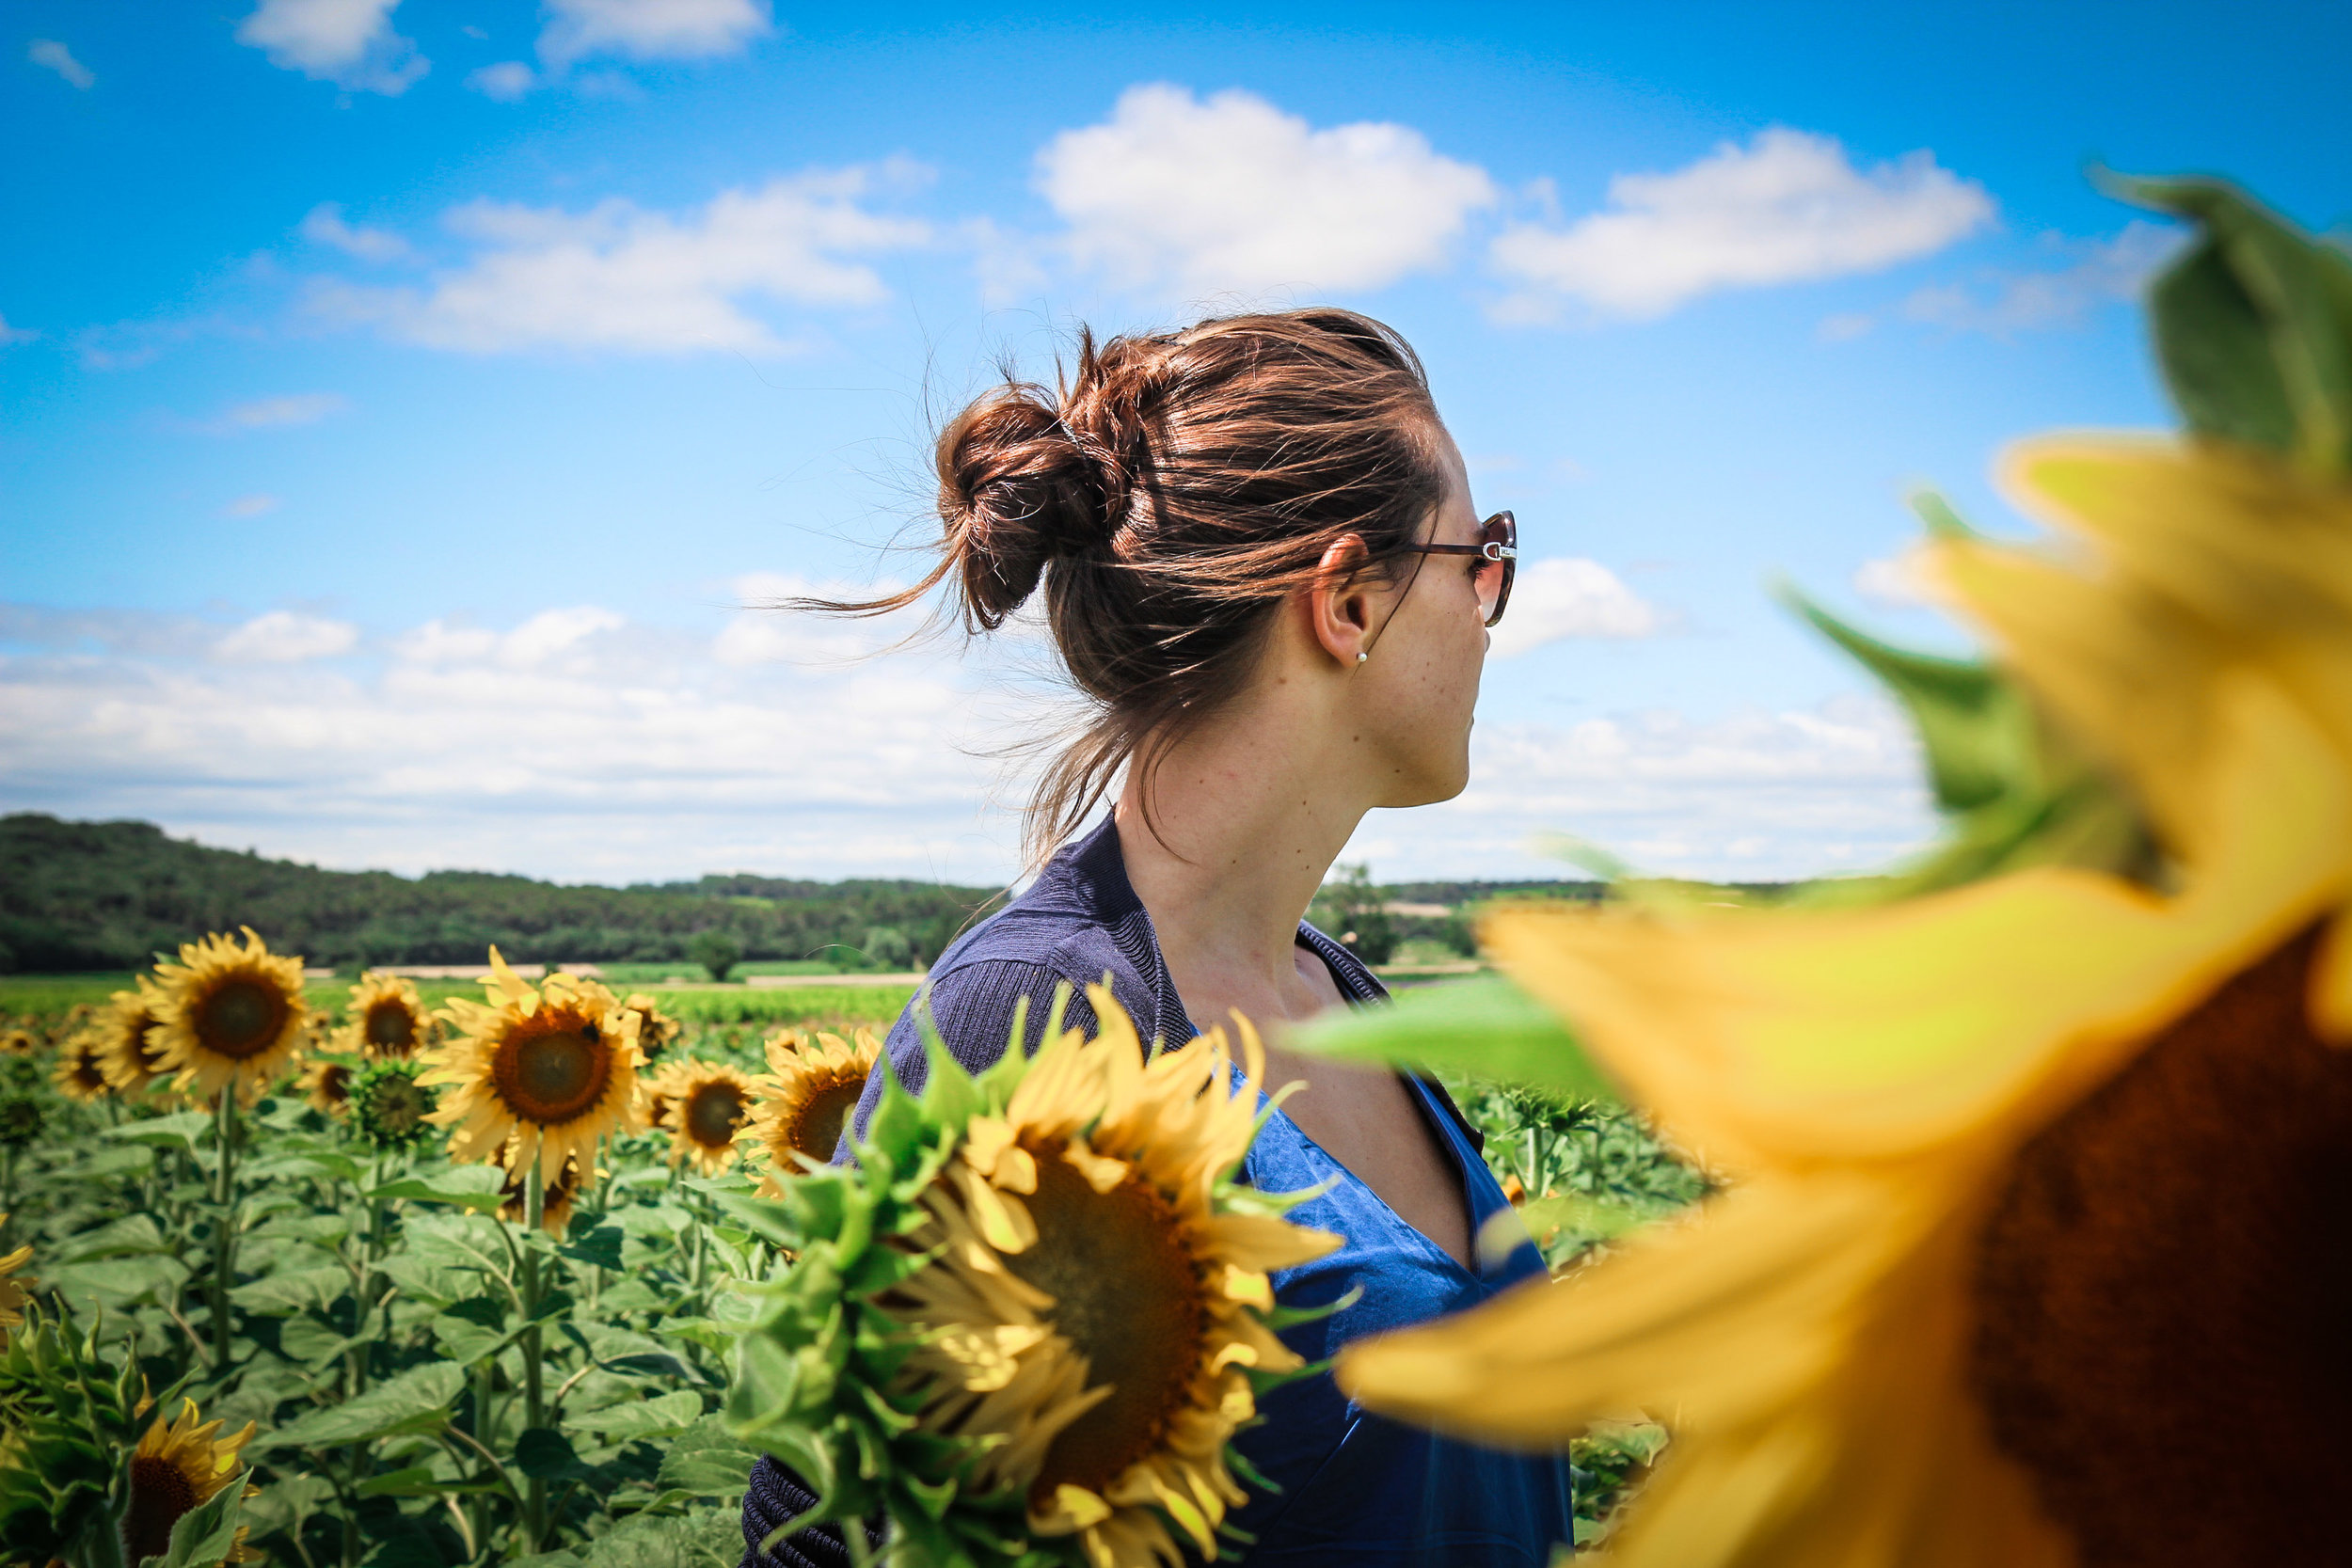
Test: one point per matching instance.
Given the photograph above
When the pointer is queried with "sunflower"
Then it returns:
(1070, 1316)
(805, 1097)
(130, 1039)
(657, 1031)
(80, 1073)
(708, 1102)
(2042, 1176)
(176, 1469)
(13, 1287)
(556, 1066)
(555, 1199)
(232, 1016)
(325, 1081)
(386, 1018)
(19, 1041)
(390, 1108)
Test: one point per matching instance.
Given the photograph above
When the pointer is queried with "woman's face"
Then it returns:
(1421, 683)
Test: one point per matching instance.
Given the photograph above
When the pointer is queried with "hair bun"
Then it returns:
(1016, 489)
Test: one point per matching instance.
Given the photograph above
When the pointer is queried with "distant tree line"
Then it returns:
(82, 895)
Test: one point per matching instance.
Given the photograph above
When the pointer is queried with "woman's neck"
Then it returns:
(1242, 829)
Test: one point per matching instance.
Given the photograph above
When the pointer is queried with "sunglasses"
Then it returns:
(1499, 550)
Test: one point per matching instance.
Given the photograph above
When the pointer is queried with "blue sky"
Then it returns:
(404, 403)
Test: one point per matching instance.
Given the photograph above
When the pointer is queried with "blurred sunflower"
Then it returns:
(176, 1469)
(326, 1081)
(555, 1199)
(19, 1041)
(657, 1031)
(660, 1099)
(80, 1074)
(14, 1288)
(555, 1065)
(1086, 1320)
(805, 1097)
(390, 1108)
(2043, 1174)
(232, 1016)
(387, 1018)
(129, 1039)
(708, 1102)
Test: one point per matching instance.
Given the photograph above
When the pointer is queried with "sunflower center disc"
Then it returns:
(241, 1019)
(397, 1104)
(391, 1028)
(554, 1072)
(1127, 1295)
(819, 1131)
(2169, 1268)
(159, 1495)
(710, 1119)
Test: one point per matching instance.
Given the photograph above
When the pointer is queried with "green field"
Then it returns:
(814, 1006)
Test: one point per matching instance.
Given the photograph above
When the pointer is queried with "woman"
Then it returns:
(1261, 567)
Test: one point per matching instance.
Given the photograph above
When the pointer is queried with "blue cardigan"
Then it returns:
(1352, 1487)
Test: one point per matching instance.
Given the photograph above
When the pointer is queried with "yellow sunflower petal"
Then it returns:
(1879, 1033)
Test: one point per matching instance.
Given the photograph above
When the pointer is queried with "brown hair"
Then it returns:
(1170, 494)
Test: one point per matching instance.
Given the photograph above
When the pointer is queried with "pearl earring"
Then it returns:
(1361, 655)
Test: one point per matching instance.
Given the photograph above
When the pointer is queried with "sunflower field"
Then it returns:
(384, 1273)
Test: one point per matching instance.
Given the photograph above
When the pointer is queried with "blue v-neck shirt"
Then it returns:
(1352, 1487)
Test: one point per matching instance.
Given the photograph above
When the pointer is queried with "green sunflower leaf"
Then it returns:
(1488, 1027)
(2253, 325)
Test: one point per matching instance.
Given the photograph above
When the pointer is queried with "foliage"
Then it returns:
(716, 951)
(1355, 911)
(112, 894)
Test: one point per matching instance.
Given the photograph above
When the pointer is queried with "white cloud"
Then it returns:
(1567, 596)
(578, 745)
(13, 335)
(1750, 796)
(506, 82)
(297, 408)
(555, 631)
(1845, 326)
(254, 505)
(57, 57)
(283, 637)
(620, 279)
(324, 225)
(614, 753)
(1787, 208)
(1897, 581)
(650, 29)
(1230, 192)
(348, 43)
(2101, 272)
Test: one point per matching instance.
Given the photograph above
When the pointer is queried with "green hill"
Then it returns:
(87, 895)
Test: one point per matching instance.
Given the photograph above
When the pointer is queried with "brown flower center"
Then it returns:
(713, 1113)
(1127, 1295)
(552, 1066)
(160, 1493)
(240, 1018)
(2164, 1288)
(818, 1131)
(335, 1082)
(391, 1028)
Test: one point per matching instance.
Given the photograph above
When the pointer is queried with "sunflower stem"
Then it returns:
(535, 1201)
(224, 1223)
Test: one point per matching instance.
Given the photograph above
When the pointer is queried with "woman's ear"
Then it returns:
(1339, 605)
